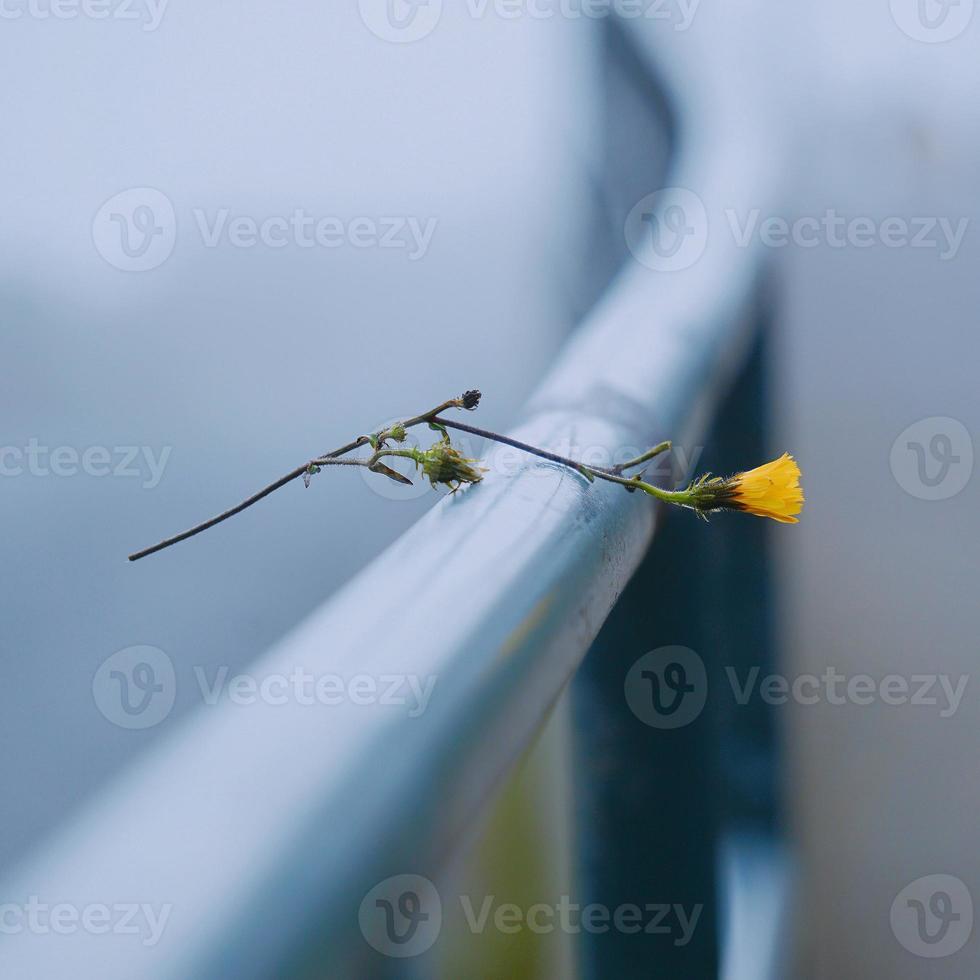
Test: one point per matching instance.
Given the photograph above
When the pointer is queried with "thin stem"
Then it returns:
(377, 441)
(612, 474)
(407, 424)
(525, 447)
(287, 478)
(245, 504)
(663, 447)
(680, 497)
(412, 454)
(332, 461)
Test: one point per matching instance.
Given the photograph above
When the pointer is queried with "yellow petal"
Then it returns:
(772, 490)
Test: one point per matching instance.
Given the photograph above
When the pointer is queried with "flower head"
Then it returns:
(771, 490)
(443, 463)
(469, 399)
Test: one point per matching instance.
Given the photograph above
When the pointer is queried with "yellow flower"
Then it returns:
(771, 490)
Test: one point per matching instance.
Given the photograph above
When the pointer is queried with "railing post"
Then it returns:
(646, 801)
(657, 789)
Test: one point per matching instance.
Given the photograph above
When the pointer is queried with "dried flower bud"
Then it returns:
(470, 399)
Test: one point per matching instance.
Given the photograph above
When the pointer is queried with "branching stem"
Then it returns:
(378, 442)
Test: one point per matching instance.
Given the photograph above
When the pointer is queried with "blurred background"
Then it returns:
(234, 237)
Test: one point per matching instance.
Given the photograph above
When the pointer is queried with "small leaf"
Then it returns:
(390, 473)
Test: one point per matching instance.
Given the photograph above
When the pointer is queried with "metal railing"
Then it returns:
(263, 829)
